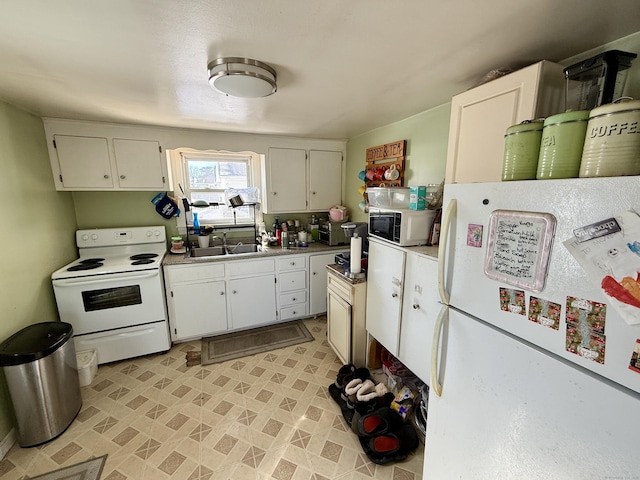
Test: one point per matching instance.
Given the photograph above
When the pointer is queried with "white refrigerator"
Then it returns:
(530, 370)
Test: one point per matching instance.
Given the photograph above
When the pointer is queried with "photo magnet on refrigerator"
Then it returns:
(634, 364)
(585, 328)
(545, 312)
(512, 300)
(474, 235)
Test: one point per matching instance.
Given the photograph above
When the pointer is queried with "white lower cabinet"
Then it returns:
(385, 273)
(420, 307)
(346, 332)
(292, 287)
(252, 301)
(403, 303)
(193, 321)
(212, 298)
(318, 281)
(209, 299)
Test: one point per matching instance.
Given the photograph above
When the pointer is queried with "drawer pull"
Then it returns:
(394, 295)
(106, 176)
(122, 177)
(293, 299)
(416, 306)
(221, 293)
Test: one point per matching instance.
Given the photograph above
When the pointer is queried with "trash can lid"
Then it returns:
(34, 342)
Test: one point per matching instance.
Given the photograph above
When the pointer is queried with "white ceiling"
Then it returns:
(344, 66)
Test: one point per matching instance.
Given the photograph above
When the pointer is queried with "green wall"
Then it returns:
(38, 224)
(426, 134)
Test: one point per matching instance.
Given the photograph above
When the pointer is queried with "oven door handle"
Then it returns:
(70, 282)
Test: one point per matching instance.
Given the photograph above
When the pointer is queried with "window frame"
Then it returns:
(181, 179)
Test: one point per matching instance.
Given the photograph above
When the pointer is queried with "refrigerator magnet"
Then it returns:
(634, 364)
(518, 248)
(512, 301)
(545, 312)
(585, 328)
(474, 235)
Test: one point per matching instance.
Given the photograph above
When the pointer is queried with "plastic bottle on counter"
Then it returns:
(434, 232)
(196, 224)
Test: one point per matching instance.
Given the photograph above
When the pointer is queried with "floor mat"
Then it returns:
(250, 342)
(89, 470)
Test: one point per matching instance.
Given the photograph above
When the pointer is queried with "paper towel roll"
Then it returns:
(356, 254)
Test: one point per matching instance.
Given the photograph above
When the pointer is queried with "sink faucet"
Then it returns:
(224, 239)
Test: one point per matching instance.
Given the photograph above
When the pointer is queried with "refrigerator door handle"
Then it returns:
(450, 213)
(435, 346)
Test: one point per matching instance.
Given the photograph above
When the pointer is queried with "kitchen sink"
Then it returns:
(251, 248)
(208, 251)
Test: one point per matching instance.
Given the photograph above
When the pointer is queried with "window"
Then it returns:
(214, 177)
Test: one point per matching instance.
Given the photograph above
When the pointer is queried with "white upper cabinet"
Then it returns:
(325, 179)
(139, 164)
(286, 173)
(92, 157)
(297, 180)
(81, 162)
(481, 116)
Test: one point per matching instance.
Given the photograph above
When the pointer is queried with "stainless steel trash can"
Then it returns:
(39, 363)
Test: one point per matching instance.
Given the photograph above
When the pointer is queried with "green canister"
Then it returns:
(521, 150)
(561, 145)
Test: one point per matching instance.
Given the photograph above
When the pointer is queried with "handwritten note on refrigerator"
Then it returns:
(519, 248)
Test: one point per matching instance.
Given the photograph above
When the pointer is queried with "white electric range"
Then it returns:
(113, 294)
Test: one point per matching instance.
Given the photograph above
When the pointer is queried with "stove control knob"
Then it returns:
(94, 236)
(156, 233)
(85, 237)
(148, 233)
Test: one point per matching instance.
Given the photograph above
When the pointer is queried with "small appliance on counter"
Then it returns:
(355, 260)
(331, 233)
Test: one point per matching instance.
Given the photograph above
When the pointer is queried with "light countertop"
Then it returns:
(315, 247)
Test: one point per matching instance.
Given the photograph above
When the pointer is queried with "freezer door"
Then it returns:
(574, 203)
(509, 411)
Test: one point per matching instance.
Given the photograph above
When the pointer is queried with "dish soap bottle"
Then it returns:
(196, 224)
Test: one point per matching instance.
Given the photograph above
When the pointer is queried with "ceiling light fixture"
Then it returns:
(242, 77)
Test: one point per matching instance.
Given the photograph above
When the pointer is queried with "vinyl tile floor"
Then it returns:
(267, 416)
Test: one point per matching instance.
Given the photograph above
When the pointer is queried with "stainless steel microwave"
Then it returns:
(401, 227)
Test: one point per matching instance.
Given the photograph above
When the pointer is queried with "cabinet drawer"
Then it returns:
(290, 281)
(294, 311)
(239, 268)
(341, 288)
(194, 273)
(293, 298)
(292, 263)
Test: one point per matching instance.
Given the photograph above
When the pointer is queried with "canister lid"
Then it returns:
(579, 115)
(526, 126)
(624, 105)
(34, 342)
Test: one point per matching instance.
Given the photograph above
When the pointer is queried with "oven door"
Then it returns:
(384, 225)
(99, 303)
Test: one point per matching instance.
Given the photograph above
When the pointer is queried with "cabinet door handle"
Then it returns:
(275, 193)
(416, 306)
(123, 177)
(106, 176)
(234, 291)
(394, 295)
(221, 293)
(293, 263)
(313, 193)
(293, 299)
(315, 273)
